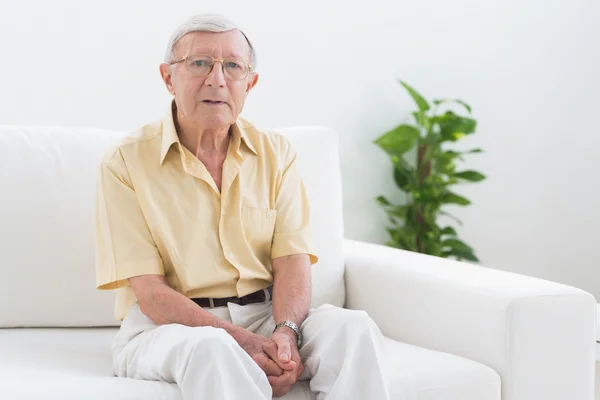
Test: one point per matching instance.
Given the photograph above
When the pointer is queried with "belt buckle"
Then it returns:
(243, 301)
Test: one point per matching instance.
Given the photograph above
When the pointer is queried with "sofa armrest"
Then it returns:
(538, 335)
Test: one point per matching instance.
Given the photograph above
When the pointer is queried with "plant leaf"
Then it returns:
(447, 214)
(382, 201)
(399, 160)
(473, 151)
(459, 249)
(403, 177)
(453, 127)
(446, 166)
(471, 176)
(457, 245)
(422, 119)
(432, 247)
(453, 198)
(403, 238)
(451, 154)
(419, 117)
(399, 211)
(430, 193)
(448, 231)
(421, 103)
(444, 161)
(466, 255)
(399, 140)
(465, 105)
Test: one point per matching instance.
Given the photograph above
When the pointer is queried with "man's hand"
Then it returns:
(264, 353)
(288, 358)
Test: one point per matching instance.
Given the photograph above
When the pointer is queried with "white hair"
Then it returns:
(205, 23)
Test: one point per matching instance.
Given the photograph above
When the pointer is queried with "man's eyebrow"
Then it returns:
(208, 50)
(235, 55)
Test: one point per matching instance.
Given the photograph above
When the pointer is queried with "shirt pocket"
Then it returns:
(259, 226)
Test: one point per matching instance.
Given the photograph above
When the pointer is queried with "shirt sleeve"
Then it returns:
(292, 233)
(124, 245)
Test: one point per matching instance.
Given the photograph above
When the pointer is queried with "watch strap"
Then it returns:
(293, 327)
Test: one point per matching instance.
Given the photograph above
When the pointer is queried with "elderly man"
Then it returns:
(203, 229)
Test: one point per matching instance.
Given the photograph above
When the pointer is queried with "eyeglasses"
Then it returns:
(202, 65)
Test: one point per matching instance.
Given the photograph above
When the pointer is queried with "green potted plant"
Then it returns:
(425, 169)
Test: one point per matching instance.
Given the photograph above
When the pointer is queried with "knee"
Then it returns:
(357, 321)
(206, 341)
(351, 321)
(214, 338)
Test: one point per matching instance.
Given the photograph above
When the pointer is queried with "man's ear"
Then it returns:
(252, 82)
(166, 73)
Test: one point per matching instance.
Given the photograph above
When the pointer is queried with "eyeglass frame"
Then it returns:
(221, 60)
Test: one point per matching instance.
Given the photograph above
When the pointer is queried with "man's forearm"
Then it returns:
(292, 288)
(163, 305)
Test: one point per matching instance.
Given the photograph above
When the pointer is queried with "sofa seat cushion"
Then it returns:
(69, 364)
(75, 364)
(423, 374)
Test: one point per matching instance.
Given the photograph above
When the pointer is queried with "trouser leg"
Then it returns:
(343, 352)
(344, 355)
(205, 362)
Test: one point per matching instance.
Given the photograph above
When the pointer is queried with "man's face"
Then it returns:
(213, 101)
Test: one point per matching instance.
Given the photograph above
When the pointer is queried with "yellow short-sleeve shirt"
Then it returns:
(159, 211)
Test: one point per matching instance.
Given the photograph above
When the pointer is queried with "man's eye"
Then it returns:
(199, 63)
(232, 65)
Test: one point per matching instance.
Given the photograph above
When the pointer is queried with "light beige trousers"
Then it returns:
(343, 355)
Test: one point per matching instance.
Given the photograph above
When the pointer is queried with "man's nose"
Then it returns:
(216, 76)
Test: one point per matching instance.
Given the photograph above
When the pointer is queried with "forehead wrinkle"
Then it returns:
(196, 44)
(211, 50)
(207, 50)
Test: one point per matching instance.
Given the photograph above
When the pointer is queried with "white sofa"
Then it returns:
(454, 331)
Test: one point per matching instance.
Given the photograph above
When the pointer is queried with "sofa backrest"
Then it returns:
(47, 195)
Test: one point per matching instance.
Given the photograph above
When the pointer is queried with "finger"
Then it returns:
(297, 359)
(284, 351)
(272, 352)
(280, 391)
(286, 379)
(300, 371)
(271, 368)
(266, 364)
(287, 366)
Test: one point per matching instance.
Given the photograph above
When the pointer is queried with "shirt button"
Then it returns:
(269, 214)
(230, 255)
(222, 212)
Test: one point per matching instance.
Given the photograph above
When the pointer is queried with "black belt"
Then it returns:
(259, 296)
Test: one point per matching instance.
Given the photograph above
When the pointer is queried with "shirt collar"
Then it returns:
(242, 130)
(169, 133)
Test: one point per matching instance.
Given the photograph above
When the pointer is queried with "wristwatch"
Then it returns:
(293, 327)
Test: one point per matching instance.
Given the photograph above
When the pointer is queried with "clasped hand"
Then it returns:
(278, 357)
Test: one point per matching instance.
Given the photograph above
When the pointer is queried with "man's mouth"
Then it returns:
(214, 102)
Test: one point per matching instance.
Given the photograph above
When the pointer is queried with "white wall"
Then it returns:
(530, 69)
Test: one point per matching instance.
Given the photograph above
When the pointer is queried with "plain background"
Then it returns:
(530, 69)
